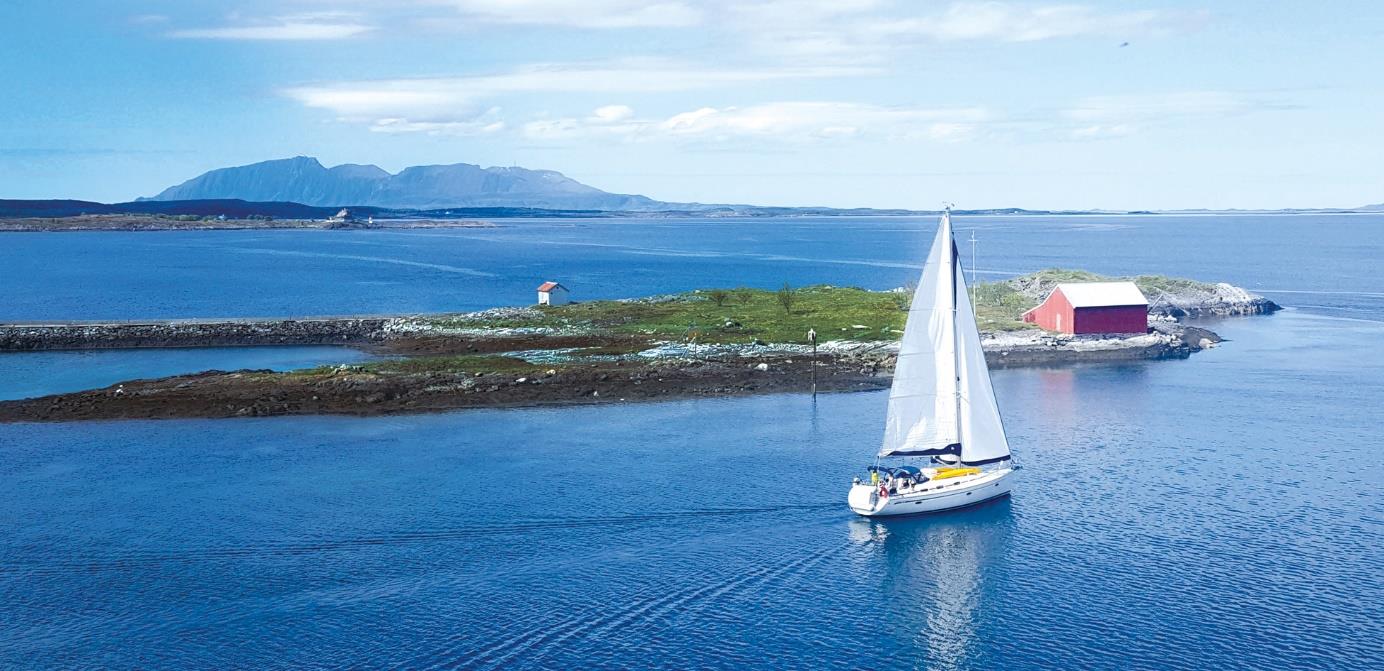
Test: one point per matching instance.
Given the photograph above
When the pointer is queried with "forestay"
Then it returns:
(941, 401)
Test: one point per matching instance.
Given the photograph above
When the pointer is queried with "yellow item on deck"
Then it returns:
(944, 473)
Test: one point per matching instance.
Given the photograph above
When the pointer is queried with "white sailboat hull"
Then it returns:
(933, 496)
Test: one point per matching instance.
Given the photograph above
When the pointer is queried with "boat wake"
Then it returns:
(636, 616)
(136, 558)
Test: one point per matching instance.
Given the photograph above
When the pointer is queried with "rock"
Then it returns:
(1194, 336)
(551, 372)
(762, 367)
(522, 380)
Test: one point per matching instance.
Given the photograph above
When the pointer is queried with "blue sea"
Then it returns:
(1226, 511)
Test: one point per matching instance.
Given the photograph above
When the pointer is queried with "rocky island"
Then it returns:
(703, 343)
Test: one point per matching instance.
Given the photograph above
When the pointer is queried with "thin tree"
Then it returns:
(718, 296)
(786, 297)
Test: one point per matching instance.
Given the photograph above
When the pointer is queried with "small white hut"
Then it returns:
(552, 293)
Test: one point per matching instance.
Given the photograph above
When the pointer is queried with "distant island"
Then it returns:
(711, 342)
(303, 179)
(300, 192)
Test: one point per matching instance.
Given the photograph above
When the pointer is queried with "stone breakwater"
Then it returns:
(193, 333)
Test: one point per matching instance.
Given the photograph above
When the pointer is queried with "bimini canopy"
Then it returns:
(909, 472)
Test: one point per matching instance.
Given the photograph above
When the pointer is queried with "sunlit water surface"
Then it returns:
(1219, 512)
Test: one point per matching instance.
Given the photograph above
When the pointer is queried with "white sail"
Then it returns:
(982, 431)
(922, 401)
(934, 408)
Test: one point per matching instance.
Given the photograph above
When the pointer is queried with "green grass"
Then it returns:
(1152, 285)
(1055, 276)
(756, 314)
(834, 312)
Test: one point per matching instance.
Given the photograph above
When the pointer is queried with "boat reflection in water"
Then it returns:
(932, 574)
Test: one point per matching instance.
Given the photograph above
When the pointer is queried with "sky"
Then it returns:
(845, 103)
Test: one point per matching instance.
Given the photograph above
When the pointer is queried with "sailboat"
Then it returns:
(942, 407)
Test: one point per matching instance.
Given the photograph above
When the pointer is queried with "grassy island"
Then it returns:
(711, 342)
(784, 316)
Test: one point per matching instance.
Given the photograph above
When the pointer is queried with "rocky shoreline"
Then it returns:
(349, 390)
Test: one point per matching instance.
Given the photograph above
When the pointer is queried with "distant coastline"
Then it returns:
(124, 222)
(146, 215)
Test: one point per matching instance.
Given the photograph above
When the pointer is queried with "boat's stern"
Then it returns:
(863, 498)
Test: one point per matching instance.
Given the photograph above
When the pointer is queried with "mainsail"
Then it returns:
(941, 401)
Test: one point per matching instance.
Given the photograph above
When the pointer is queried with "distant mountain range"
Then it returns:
(427, 187)
(302, 188)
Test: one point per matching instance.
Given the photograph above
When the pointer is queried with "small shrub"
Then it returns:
(718, 296)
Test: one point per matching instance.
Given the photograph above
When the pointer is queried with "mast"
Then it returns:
(956, 337)
(973, 270)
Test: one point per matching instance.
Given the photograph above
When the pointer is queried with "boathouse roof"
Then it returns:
(1101, 294)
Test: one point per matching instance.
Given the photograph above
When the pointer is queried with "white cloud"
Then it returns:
(781, 121)
(1009, 22)
(813, 23)
(875, 30)
(583, 13)
(316, 26)
(1160, 106)
(486, 123)
(612, 113)
(1099, 117)
(444, 99)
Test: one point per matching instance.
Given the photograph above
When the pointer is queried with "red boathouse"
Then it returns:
(1093, 307)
